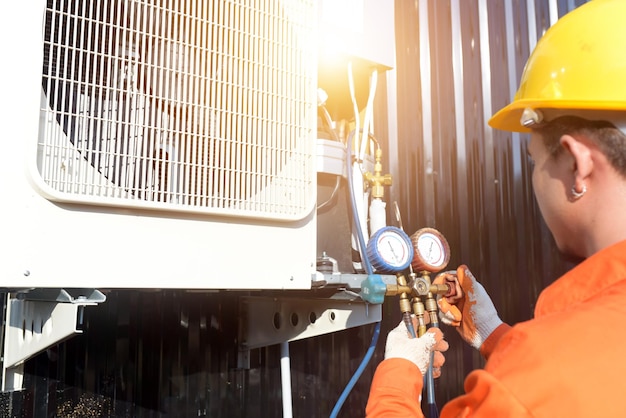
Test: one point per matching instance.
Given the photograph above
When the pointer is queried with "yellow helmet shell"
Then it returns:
(579, 64)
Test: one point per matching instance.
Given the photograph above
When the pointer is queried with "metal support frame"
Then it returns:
(35, 320)
(272, 320)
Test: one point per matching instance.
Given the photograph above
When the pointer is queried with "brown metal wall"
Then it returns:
(457, 63)
(173, 354)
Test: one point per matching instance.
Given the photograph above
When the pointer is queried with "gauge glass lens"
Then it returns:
(393, 249)
(431, 249)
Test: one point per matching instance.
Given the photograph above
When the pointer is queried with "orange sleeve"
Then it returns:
(485, 397)
(395, 390)
(492, 340)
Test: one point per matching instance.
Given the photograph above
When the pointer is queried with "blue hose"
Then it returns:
(433, 410)
(357, 373)
(369, 270)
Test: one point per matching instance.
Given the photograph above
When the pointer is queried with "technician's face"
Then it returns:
(552, 180)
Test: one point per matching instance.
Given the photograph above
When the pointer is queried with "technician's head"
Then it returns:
(572, 99)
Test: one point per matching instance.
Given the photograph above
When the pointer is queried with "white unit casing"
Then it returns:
(150, 145)
(361, 30)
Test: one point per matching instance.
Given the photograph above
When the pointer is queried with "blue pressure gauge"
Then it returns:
(390, 250)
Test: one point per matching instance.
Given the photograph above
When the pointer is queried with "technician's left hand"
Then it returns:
(471, 310)
(417, 350)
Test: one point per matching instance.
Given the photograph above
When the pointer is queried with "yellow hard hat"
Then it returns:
(578, 65)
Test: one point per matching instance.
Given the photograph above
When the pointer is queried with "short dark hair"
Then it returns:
(610, 140)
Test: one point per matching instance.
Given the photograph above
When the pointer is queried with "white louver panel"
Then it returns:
(184, 105)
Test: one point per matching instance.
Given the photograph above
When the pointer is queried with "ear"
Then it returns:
(580, 153)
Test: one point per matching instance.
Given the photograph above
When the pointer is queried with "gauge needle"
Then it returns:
(392, 251)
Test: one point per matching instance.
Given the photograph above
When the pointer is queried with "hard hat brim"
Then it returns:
(508, 118)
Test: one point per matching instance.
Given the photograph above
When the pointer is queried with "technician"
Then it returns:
(569, 360)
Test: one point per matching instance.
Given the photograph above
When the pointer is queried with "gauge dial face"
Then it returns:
(390, 250)
(393, 249)
(432, 252)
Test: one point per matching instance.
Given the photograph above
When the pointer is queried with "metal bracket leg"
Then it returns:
(33, 325)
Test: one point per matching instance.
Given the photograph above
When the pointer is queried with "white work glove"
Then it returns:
(417, 350)
(470, 310)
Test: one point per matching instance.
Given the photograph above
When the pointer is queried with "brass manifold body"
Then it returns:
(418, 286)
(417, 296)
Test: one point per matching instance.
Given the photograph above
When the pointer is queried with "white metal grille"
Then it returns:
(202, 106)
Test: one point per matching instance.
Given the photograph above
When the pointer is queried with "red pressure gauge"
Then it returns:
(432, 252)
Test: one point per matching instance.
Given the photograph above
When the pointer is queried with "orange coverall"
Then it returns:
(569, 361)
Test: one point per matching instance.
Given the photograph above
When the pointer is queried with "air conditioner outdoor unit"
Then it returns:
(159, 144)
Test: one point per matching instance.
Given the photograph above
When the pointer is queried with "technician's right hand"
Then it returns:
(470, 310)
(417, 350)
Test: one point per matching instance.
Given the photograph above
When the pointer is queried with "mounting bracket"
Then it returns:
(36, 319)
(273, 320)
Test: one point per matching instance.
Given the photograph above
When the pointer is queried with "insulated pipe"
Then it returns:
(378, 216)
(285, 378)
(360, 207)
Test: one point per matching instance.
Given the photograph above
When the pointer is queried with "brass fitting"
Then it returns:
(405, 305)
(395, 289)
(378, 180)
(418, 311)
(431, 307)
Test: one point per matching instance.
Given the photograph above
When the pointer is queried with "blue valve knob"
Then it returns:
(373, 289)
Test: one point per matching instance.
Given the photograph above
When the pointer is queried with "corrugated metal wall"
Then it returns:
(173, 354)
(458, 62)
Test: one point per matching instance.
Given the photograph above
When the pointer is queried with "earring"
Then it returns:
(577, 195)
